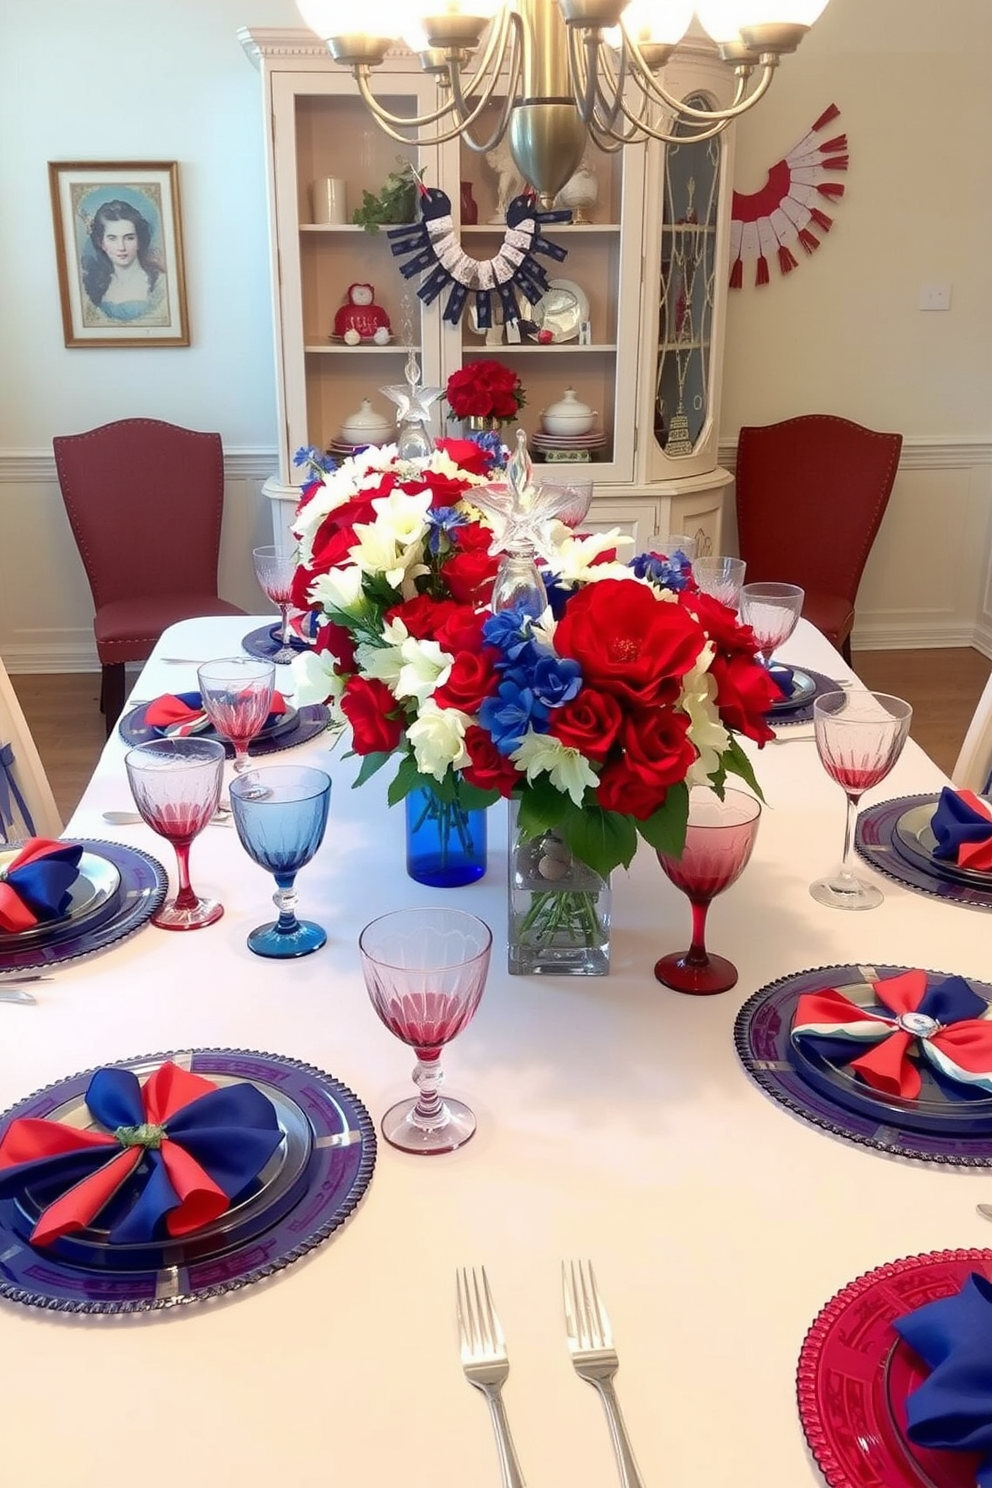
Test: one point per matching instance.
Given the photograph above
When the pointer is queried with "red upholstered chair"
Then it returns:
(145, 500)
(811, 493)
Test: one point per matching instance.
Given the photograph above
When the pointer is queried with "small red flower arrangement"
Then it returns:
(484, 389)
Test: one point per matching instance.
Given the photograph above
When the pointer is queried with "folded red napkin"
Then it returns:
(35, 886)
(181, 713)
(962, 825)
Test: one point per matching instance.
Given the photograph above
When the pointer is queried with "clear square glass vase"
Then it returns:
(559, 909)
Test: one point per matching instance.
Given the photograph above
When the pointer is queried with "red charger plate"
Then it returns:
(855, 1373)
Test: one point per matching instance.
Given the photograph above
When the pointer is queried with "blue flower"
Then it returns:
(509, 632)
(314, 459)
(493, 447)
(556, 680)
(443, 520)
(673, 572)
(558, 594)
(513, 710)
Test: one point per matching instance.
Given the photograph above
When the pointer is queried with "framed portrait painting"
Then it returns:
(119, 247)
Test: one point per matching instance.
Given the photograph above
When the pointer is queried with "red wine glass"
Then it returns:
(237, 698)
(718, 841)
(425, 970)
(275, 571)
(772, 611)
(176, 784)
(859, 737)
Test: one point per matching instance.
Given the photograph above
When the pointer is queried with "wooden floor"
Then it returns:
(943, 686)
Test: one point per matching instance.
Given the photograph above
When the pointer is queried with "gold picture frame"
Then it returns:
(119, 249)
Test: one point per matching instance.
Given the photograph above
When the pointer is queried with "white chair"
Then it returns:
(974, 764)
(27, 806)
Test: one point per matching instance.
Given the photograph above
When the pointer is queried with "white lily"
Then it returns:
(568, 770)
(378, 552)
(314, 678)
(437, 737)
(706, 732)
(340, 589)
(576, 557)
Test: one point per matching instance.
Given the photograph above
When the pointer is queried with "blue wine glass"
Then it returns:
(280, 814)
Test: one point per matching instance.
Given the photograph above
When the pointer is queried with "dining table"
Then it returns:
(616, 1124)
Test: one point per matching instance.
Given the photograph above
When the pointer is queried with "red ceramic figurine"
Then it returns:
(360, 313)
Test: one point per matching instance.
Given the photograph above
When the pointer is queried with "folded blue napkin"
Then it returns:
(782, 676)
(963, 829)
(952, 1409)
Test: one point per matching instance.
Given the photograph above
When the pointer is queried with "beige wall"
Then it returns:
(843, 333)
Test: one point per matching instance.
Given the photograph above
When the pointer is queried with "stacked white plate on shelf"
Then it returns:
(582, 446)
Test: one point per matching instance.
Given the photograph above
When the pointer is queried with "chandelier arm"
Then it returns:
(650, 86)
(494, 48)
(642, 126)
(513, 79)
(616, 83)
(391, 124)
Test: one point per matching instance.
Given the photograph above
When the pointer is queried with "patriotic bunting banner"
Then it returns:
(767, 224)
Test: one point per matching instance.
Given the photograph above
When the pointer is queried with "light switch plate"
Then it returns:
(935, 297)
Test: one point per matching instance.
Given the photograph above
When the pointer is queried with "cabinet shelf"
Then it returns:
(513, 348)
(336, 348)
(497, 229)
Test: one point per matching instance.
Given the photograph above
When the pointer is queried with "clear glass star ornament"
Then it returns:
(522, 511)
(413, 439)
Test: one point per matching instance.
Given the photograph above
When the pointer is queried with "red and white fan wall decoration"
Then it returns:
(767, 224)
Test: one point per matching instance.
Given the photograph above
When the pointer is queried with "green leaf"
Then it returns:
(603, 839)
(665, 830)
(407, 778)
(473, 797)
(370, 764)
(737, 763)
(541, 808)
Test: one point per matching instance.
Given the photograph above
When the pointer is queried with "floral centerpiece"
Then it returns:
(485, 394)
(595, 716)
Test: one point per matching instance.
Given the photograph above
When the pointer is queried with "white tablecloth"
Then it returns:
(615, 1122)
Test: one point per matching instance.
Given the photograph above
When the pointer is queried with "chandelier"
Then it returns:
(564, 71)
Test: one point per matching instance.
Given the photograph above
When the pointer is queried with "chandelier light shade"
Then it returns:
(562, 71)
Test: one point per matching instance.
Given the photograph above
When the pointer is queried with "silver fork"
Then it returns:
(485, 1362)
(590, 1343)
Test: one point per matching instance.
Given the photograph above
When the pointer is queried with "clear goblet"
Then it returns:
(280, 815)
(718, 842)
(176, 784)
(670, 543)
(425, 970)
(721, 578)
(572, 499)
(275, 571)
(772, 611)
(859, 737)
(237, 698)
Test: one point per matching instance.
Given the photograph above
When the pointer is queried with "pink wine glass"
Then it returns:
(859, 736)
(176, 784)
(275, 571)
(425, 970)
(718, 841)
(772, 611)
(237, 698)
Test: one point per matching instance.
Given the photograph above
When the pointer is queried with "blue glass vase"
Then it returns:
(445, 843)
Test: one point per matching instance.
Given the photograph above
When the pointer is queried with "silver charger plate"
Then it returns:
(97, 883)
(914, 836)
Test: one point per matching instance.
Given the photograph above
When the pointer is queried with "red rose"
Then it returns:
(744, 693)
(484, 389)
(467, 456)
(445, 490)
(621, 789)
(626, 641)
(489, 769)
(374, 714)
(469, 570)
(460, 630)
(422, 615)
(657, 754)
(338, 642)
(473, 678)
(721, 624)
(589, 723)
(332, 547)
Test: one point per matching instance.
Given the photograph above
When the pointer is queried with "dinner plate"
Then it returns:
(793, 710)
(143, 885)
(803, 690)
(855, 1374)
(914, 838)
(97, 883)
(875, 840)
(943, 1105)
(561, 310)
(265, 642)
(304, 725)
(313, 1183)
(763, 1037)
(138, 717)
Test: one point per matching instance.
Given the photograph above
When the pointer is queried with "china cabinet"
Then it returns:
(633, 321)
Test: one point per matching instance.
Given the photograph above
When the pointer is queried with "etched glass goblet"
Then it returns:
(237, 698)
(772, 610)
(859, 737)
(280, 814)
(425, 970)
(721, 578)
(176, 784)
(275, 571)
(718, 841)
